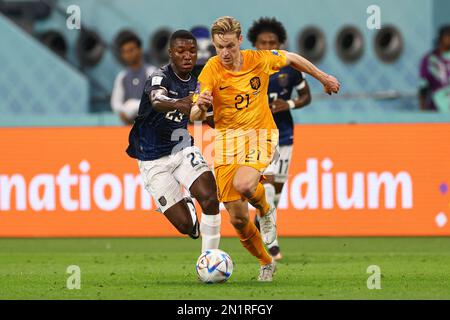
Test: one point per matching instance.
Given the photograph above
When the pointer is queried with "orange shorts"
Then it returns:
(224, 175)
(234, 152)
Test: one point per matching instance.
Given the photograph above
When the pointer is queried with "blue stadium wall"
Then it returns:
(417, 20)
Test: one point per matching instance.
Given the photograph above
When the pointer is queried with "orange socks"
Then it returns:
(252, 241)
(258, 200)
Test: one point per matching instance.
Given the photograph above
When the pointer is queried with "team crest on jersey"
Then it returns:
(283, 79)
(162, 201)
(255, 83)
(275, 52)
(197, 89)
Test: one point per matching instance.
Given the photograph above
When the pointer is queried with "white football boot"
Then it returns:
(266, 271)
(268, 226)
(195, 234)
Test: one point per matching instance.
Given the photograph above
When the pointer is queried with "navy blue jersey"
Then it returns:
(281, 85)
(155, 134)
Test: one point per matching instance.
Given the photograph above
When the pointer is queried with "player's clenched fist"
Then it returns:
(331, 84)
(205, 100)
(184, 105)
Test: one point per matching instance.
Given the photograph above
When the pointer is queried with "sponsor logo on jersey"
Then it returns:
(197, 89)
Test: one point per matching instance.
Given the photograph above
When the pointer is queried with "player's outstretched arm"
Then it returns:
(331, 84)
(162, 103)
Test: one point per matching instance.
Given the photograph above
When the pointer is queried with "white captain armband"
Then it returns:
(291, 104)
(301, 85)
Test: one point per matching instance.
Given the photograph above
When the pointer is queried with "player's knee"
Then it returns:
(210, 205)
(239, 222)
(208, 201)
(244, 187)
(206, 194)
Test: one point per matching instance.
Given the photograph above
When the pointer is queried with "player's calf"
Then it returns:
(185, 226)
(211, 221)
(204, 189)
(183, 217)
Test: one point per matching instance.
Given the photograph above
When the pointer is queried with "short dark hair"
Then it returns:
(181, 34)
(266, 24)
(127, 36)
(445, 29)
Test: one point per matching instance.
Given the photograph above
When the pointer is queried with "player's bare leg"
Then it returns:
(204, 189)
(183, 217)
(246, 182)
(250, 237)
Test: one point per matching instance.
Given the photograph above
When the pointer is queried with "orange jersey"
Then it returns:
(245, 131)
(240, 98)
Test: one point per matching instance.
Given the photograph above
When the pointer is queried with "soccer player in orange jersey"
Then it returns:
(235, 83)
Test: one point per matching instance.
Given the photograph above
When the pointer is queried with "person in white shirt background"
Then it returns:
(129, 83)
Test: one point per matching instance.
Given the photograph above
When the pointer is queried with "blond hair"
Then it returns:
(224, 25)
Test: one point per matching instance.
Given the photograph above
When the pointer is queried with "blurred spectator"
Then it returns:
(129, 83)
(205, 48)
(434, 90)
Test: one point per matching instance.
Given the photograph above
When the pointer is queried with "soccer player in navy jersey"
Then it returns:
(270, 34)
(167, 157)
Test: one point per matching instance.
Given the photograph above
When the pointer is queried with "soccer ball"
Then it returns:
(214, 266)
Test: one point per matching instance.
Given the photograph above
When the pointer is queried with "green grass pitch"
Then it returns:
(164, 268)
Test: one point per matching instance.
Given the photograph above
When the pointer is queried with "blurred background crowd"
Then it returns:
(84, 62)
